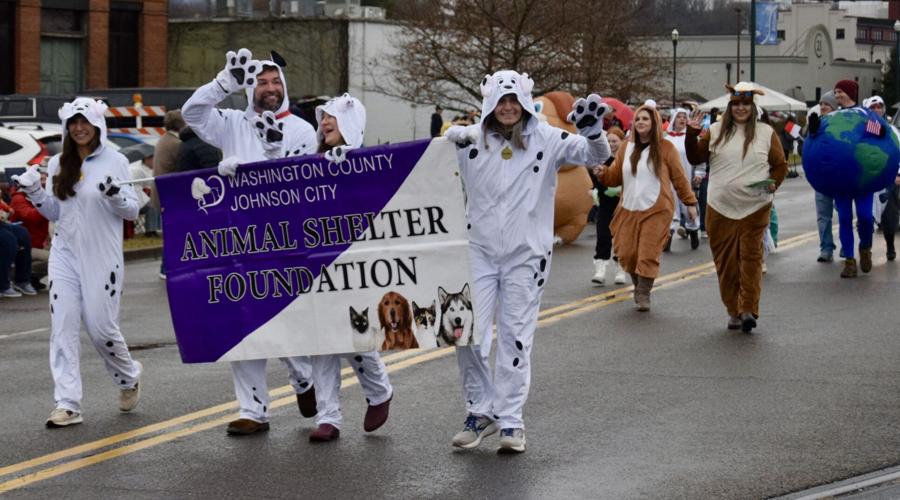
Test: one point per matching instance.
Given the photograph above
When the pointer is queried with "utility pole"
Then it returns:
(752, 40)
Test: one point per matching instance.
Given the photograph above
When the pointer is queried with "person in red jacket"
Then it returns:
(15, 247)
(38, 227)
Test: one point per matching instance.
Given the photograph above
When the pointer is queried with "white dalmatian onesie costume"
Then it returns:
(236, 133)
(677, 139)
(510, 199)
(86, 267)
(350, 115)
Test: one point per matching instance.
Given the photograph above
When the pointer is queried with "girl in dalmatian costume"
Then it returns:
(86, 267)
(675, 134)
(509, 163)
(342, 123)
(266, 130)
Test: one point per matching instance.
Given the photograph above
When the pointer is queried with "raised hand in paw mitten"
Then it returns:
(30, 181)
(462, 136)
(109, 187)
(240, 71)
(587, 115)
(270, 131)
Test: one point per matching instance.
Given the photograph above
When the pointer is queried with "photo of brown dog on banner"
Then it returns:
(395, 319)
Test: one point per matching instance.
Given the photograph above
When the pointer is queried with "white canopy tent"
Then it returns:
(770, 101)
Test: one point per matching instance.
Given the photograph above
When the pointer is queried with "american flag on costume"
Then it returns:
(873, 127)
(792, 128)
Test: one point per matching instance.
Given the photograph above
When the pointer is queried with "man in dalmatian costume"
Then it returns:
(266, 130)
(342, 125)
(509, 163)
(86, 267)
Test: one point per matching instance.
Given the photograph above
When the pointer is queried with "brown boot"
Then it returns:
(865, 259)
(642, 293)
(849, 270)
(245, 426)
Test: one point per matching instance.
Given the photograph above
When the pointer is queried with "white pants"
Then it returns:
(681, 210)
(251, 387)
(514, 293)
(369, 369)
(94, 299)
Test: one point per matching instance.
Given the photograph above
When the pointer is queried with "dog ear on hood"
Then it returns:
(277, 59)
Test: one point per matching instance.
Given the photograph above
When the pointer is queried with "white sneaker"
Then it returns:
(476, 429)
(703, 234)
(24, 288)
(511, 441)
(600, 271)
(162, 276)
(620, 275)
(764, 269)
(9, 293)
(61, 417)
(128, 398)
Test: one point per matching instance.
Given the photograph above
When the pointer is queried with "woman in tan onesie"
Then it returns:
(645, 168)
(746, 166)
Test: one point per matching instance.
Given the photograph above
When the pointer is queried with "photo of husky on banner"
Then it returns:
(303, 256)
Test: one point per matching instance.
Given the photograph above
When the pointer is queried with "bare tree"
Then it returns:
(578, 45)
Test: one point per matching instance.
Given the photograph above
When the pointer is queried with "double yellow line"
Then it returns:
(224, 413)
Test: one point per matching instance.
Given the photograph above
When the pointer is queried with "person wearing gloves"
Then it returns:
(691, 227)
(267, 129)
(607, 201)
(342, 123)
(86, 268)
(746, 167)
(647, 168)
(509, 163)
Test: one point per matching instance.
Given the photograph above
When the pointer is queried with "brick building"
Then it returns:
(66, 46)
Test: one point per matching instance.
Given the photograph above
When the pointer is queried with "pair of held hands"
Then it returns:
(30, 183)
(587, 115)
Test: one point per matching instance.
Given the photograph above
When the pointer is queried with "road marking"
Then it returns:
(395, 362)
(853, 486)
(26, 332)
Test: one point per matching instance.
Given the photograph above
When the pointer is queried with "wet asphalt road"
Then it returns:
(623, 405)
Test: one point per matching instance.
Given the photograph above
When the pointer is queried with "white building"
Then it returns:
(819, 44)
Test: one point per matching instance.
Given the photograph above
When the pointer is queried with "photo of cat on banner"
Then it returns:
(276, 260)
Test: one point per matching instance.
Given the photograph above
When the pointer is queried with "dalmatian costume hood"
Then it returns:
(501, 83)
(351, 119)
(510, 202)
(86, 267)
(235, 132)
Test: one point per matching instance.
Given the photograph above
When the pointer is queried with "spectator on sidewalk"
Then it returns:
(15, 246)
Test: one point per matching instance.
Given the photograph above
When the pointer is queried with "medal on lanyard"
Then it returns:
(506, 153)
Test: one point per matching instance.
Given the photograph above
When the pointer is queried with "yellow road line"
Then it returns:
(403, 359)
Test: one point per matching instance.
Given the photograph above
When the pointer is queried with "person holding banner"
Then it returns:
(266, 130)
(86, 264)
(509, 163)
(342, 123)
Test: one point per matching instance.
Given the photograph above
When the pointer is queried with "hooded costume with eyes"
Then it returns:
(677, 139)
(233, 132)
(86, 268)
(350, 115)
(640, 225)
(510, 198)
(738, 207)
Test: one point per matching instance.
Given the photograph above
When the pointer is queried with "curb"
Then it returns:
(149, 253)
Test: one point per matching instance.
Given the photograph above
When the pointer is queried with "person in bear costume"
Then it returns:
(509, 163)
(86, 267)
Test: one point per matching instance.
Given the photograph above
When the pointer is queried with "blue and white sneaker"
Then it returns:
(9, 293)
(477, 428)
(511, 441)
(24, 288)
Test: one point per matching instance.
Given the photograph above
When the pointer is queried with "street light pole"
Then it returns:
(737, 74)
(674, 70)
(752, 40)
(896, 63)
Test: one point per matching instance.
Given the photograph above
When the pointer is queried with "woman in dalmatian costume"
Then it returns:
(266, 130)
(86, 268)
(342, 123)
(675, 134)
(509, 163)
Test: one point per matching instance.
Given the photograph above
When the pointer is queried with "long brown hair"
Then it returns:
(729, 126)
(70, 165)
(654, 144)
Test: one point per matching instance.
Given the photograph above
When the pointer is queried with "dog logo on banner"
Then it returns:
(205, 195)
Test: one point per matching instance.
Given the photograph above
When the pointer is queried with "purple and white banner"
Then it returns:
(302, 256)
